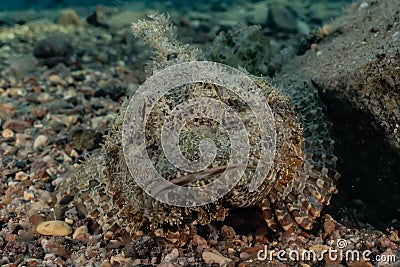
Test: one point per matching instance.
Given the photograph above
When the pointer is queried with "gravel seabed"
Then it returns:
(53, 117)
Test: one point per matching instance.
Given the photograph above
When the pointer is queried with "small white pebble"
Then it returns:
(211, 257)
(172, 256)
(395, 36)
(108, 235)
(69, 221)
(55, 79)
(363, 5)
(74, 154)
(79, 232)
(28, 195)
(40, 141)
(231, 251)
(49, 256)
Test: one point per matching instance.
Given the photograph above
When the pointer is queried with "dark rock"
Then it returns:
(84, 139)
(53, 50)
(10, 162)
(356, 73)
(67, 199)
(97, 18)
(113, 90)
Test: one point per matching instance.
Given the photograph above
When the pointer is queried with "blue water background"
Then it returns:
(6, 5)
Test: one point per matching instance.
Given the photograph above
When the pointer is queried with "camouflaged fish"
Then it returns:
(299, 184)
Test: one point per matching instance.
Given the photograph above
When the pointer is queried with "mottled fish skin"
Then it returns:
(299, 184)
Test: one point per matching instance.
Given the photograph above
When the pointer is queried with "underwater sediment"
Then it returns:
(63, 121)
(355, 71)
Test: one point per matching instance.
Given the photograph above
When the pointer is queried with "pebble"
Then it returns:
(80, 233)
(7, 134)
(211, 257)
(21, 176)
(199, 241)
(120, 258)
(69, 17)
(7, 107)
(69, 221)
(66, 158)
(74, 154)
(32, 262)
(38, 112)
(56, 247)
(172, 256)
(114, 244)
(28, 196)
(16, 125)
(108, 235)
(55, 79)
(54, 228)
(21, 139)
(40, 141)
(53, 50)
(49, 256)
(363, 5)
(8, 150)
(137, 262)
(244, 255)
(97, 18)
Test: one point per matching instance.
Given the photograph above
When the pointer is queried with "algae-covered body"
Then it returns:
(299, 183)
